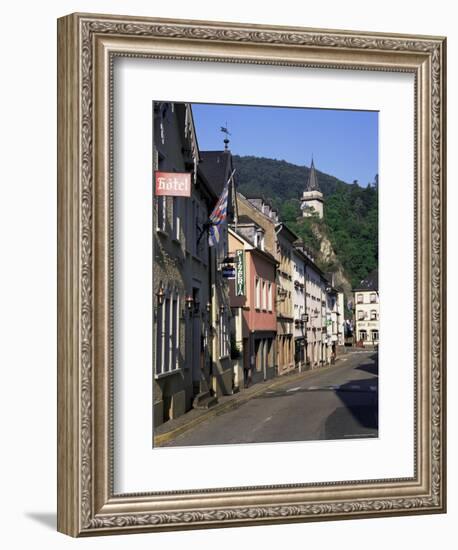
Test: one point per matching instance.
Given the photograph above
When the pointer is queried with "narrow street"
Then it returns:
(340, 403)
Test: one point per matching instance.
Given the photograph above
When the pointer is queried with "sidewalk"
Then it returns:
(175, 427)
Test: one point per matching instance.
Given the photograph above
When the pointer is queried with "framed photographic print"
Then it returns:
(251, 274)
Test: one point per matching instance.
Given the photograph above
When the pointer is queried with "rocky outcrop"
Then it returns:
(329, 261)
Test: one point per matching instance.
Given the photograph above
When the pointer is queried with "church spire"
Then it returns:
(312, 182)
(312, 197)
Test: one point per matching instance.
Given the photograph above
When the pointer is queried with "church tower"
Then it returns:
(312, 198)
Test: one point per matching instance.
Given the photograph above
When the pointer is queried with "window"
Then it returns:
(168, 333)
(176, 218)
(264, 296)
(197, 229)
(373, 315)
(361, 315)
(362, 335)
(374, 334)
(359, 298)
(175, 364)
(161, 213)
(187, 217)
(193, 228)
(257, 303)
(223, 334)
(259, 239)
(269, 296)
(159, 338)
(373, 297)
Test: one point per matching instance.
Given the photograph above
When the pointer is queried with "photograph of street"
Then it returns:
(265, 274)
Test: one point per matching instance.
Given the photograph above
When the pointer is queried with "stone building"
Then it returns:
(216, 168)
(262, 213)
(312, 197)
(191, 317)
(285, 289)
(180, 269)
(366, 310)
(300, 317)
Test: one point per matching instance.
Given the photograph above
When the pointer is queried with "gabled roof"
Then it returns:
(251, 248)
(286, 231)
(245, 219)
(215, 166)
(312, 182)
(370, 282)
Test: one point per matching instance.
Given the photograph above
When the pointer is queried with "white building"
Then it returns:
(340, 319)
(315, 309)
(334, 320)
(366, 310)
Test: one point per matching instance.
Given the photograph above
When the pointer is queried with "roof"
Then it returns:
(245, 219)
(254, 249)
(312, 182)
(370, 282)
(283, 228)
(215, 166)
(264, 254)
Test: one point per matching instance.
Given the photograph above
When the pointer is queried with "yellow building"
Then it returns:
(285, 291)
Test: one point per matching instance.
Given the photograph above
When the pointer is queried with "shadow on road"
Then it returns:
(358, 415)
(372, 367)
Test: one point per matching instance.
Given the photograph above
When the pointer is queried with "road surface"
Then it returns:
(339, 403)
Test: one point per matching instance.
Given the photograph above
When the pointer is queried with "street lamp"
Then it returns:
(189, 302)
(160, 295)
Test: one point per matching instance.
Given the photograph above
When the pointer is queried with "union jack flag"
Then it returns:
(218, 216)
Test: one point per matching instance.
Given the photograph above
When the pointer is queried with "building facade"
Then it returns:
(299, 308)
(367, 312)
(340, 319)
(285, 291)
(215, 168)
(253, 305)
(180, 269)
(315, 308)
(191, 317)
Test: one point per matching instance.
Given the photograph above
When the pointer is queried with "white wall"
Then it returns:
(28, 274)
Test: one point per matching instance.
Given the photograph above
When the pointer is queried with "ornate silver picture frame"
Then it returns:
(87, 47)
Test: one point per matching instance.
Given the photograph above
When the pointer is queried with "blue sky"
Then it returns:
(343, 143)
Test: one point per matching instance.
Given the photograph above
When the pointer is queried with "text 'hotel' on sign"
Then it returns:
(173, 184)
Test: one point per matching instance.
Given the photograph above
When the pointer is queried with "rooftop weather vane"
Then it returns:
(226, 139)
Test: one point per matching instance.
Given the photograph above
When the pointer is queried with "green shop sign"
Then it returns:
(240, 273)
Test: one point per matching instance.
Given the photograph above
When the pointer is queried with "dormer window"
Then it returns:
(259, 239)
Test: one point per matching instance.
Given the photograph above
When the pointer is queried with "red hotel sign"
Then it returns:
(176, 184)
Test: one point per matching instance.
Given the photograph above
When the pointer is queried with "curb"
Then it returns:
(160, 439)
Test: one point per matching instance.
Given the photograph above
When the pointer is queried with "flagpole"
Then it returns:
(209, 223)
(235, 202)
